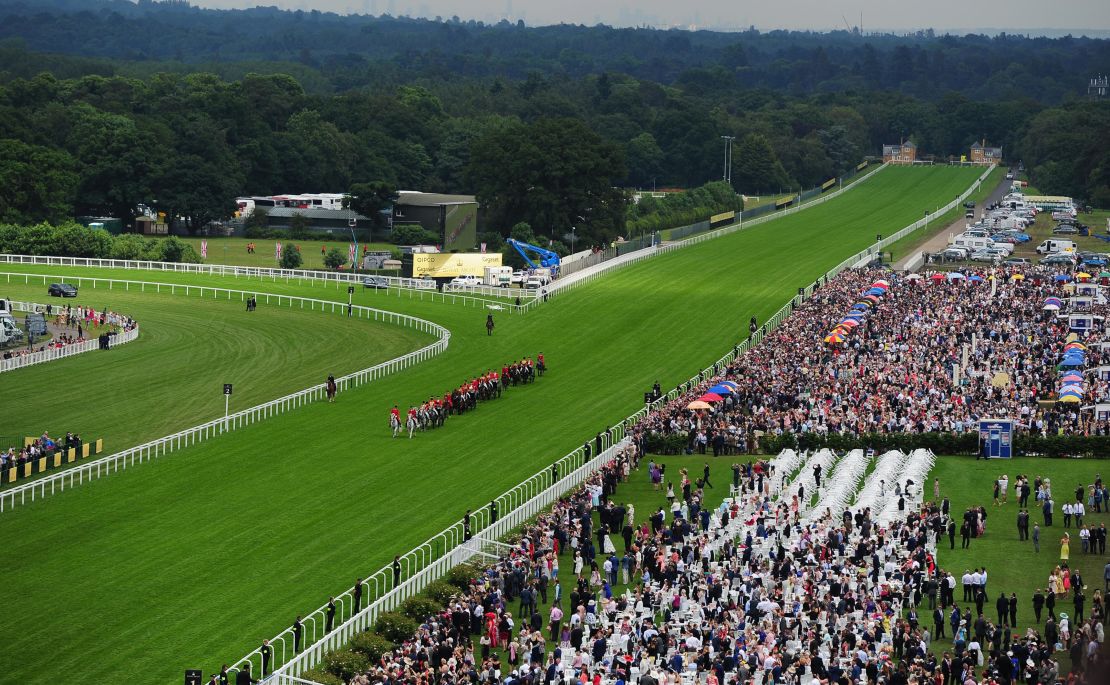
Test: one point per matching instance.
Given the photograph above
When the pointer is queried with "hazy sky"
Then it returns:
(1009, 15)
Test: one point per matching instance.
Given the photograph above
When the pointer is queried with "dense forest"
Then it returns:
(106, 104)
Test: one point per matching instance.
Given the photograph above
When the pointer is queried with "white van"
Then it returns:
(972, 243)
(1053, 246)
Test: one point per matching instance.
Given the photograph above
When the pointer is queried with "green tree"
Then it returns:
(291, 257)
(756, 168)
(645, 160)
(335, 258)
(554, 174)
(370, 199)
(36, 183)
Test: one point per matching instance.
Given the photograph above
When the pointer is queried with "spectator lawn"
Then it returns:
(1012, 565)
(193, 559)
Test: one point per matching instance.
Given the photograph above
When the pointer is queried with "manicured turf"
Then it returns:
(1012, 565)
(192, 560)
(234, 250)
(172, 377)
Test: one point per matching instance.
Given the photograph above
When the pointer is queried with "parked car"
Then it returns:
(1058, 260)
(1065, 229)
(970, 204)
(533, 282)
(986, 256)
(465, 281)
(1016, 261)
(376, 282)
(62, 290)
(955, 253)
(518, 278)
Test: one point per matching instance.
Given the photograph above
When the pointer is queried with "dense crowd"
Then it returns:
(770, 587)
(434, 411)
(42, 446)
(929, 355)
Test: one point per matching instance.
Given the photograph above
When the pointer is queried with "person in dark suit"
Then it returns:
(243, 677)
(1038, 604)
(938, 622)
(358, 596)
(329, 621)
(1013, 608)
(267, 653)
(396, 571)
(298, 633)
(1002, 606)
(946, 668)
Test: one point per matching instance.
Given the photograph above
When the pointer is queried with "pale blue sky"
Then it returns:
(897, 15)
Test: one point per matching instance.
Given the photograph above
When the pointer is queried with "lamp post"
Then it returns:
(572, 236)
(728, 158)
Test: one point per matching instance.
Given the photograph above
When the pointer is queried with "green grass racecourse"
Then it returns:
(172, 377)
(194, 558)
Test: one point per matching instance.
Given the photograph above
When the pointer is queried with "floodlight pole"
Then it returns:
(728, 158)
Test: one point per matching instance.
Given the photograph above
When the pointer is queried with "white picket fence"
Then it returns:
(57, 482)
(343, 277)
(869, 254)
(602, 269)
(430, 561)
(51, 353)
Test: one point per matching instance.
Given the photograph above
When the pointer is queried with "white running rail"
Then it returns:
(96, 468)
(430, 561)
(217, 270)
(52, 353)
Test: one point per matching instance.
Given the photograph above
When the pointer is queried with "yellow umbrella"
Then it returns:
(1070, 399)
(834, 337)
(1083, 274)
(1017, 277)
(698, 404)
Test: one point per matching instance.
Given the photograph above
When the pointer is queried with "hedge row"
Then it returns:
(74, 240)
(391, 629)
(1025, 444)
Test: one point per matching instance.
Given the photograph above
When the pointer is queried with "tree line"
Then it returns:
(103, 132)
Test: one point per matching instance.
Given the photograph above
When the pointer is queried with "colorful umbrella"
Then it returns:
(1072, 377)
(881, 282)
(1053, 300)
(721, 390)
(861, 305)
(955, 276)
(1104, 274)
(834, 338)
(1017, 277)
(1083, 274)
(976, 279)
(1070, 399)
(1062, 278)
(849, 323)
(1051, 307)
(698, 404)
(914, 277)
(710, 397)
(872, 298)
(937, 277)
(731, 384)
(1075, 346)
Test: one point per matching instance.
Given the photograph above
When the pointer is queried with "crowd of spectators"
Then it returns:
(755, 591)
(42, 446)
(81, 321)
(932, 355)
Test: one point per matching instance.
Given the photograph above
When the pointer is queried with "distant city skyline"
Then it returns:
(1091, 17)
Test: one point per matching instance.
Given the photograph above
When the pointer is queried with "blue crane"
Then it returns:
(547, 258)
